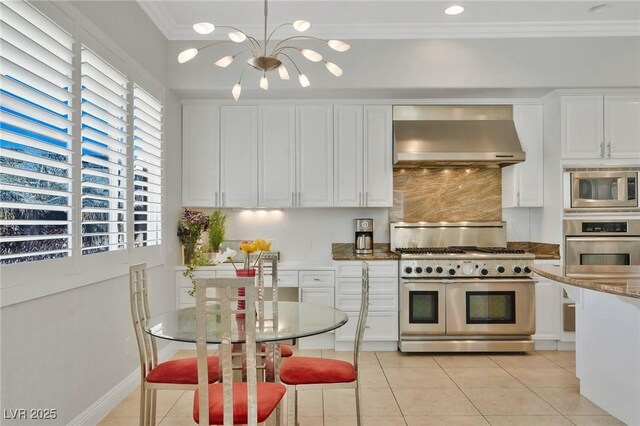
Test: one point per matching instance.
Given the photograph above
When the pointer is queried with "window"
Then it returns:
(35, 137)
(78, 176)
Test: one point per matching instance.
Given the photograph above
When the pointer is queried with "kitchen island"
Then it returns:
(607, 333)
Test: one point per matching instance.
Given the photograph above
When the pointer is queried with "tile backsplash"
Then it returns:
(450, 195)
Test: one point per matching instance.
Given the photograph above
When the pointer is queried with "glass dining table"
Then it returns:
(293, 320)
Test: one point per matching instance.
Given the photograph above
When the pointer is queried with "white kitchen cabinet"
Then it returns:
(547, 314)
(317, 287)
(200, 155)
(363, 156)
(598, 127)
(381, 332)
(314, 154)
(523, 183)
(277, 156)
(239, 156)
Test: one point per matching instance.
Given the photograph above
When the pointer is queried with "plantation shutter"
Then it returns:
(36, 114)
(147, 168)
(104, 155)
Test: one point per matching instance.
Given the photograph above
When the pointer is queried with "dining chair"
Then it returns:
(181, 374)
(230, 402)
(312, 373)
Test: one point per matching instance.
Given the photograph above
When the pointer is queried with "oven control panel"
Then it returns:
(436, 268)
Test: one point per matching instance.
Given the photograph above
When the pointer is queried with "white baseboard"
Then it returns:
(105, 404)
(369, 346)
(566, 346)
(546, 345)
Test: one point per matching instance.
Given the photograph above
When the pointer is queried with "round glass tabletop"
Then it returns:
(295, 320)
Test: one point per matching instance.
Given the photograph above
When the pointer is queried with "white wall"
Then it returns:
(66, 350)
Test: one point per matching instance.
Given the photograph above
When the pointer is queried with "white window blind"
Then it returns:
(35, 136)
(104, 155)
(147, 168)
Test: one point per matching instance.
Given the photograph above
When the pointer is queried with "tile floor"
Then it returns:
(416, 390)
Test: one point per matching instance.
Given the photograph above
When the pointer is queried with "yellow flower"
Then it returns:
(248, 247)
(262, 244)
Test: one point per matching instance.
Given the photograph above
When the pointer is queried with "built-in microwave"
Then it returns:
(600, 188)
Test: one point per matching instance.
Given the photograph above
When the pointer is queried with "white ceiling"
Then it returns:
(362, 19)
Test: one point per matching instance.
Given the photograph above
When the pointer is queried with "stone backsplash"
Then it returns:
(450, 195)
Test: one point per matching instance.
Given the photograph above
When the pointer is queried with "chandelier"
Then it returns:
(260, 59)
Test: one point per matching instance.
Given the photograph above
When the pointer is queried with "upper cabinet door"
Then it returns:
(348, 146)
(378, 157)
(314, 127)
(277, 156)
(582, 127)
(239, 156)
(200, 155)
(528, 120)
(622, 126)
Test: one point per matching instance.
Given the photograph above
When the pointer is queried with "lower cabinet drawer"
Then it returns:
(285, 279)
(381, 326)
(316, 279)
(381, 302)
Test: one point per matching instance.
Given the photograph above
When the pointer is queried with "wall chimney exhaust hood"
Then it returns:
(455, 136)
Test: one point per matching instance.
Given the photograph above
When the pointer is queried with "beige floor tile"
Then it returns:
(569, 401)
(310, 403)
(367, 359)
(398, 359)
(418, 378)
(340, 421)
(372, 378)
(508, 402)
(482, 378)
(462, 360)
(562, 358)
(544, 377)
(121, 421)
(339, 402)
(177, 421)
(367, 421)
(528, 421)
(571, 369)
(526, 360)
(441, 401)
(379, 402)
(183, 406)
(130, 406)
(595, 421)
(445, 421)
(310, 421)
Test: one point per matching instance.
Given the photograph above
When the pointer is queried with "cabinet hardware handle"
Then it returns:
(359, 199)
(216, 204)
(518, 198)
(367, 326)
(602, 149)
(299, 198)
(316, 279)
(609, 149)
(293, 199)
(366, 198)
(223, 200)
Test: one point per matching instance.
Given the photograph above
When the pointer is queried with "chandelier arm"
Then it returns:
(275, 49)
(226, 42)
(292, 61)
(256, 43)
(276, 29)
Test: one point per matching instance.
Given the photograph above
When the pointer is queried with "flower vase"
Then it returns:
(243, 273)
(187, 253)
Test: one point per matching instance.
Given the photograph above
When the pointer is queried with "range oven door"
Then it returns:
(602, 251)
(490, 307)
(422, 308)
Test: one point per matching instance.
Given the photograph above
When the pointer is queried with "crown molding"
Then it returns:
(159, 14)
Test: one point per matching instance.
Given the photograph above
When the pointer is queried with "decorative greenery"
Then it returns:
(192, 223)
(216, 230)
(199, 258)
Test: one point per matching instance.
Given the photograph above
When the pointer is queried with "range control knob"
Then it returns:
(484, 271)
(408, 270)
(452, 271)
(439, 269)
(500, 269)
(418, 270)
(429, 269)
(526, 270)
(517, 269)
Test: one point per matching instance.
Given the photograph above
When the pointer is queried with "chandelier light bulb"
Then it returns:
(304, 81)
(311, 55)
(225, 61)
(284, 74)
(237, 36)
(301, 25)
(236, 91)
(339, 45)
(264, 83)
(454, 10)
(187, 55)
(333, 68)
(204, 27)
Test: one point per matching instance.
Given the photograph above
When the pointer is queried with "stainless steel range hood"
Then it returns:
(455, 135)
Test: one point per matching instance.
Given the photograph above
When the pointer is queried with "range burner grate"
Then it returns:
(430, 250)
(500, 250)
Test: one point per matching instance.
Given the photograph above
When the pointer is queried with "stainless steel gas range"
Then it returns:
(462, 290)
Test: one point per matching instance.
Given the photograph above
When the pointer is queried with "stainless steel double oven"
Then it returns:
(463, 297)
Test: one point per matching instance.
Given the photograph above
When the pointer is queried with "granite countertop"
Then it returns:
(614, 279)
(540, 250)
(345, 251)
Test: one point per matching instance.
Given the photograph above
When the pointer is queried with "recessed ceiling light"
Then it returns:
(454, 10)
(601, 7)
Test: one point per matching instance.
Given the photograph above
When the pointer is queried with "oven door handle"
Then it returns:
(601, 239)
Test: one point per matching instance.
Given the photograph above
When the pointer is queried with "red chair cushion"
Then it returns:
(269, 395)
(301, 370)
(183, 371)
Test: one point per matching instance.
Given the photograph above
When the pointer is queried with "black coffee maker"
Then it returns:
(364, 236)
